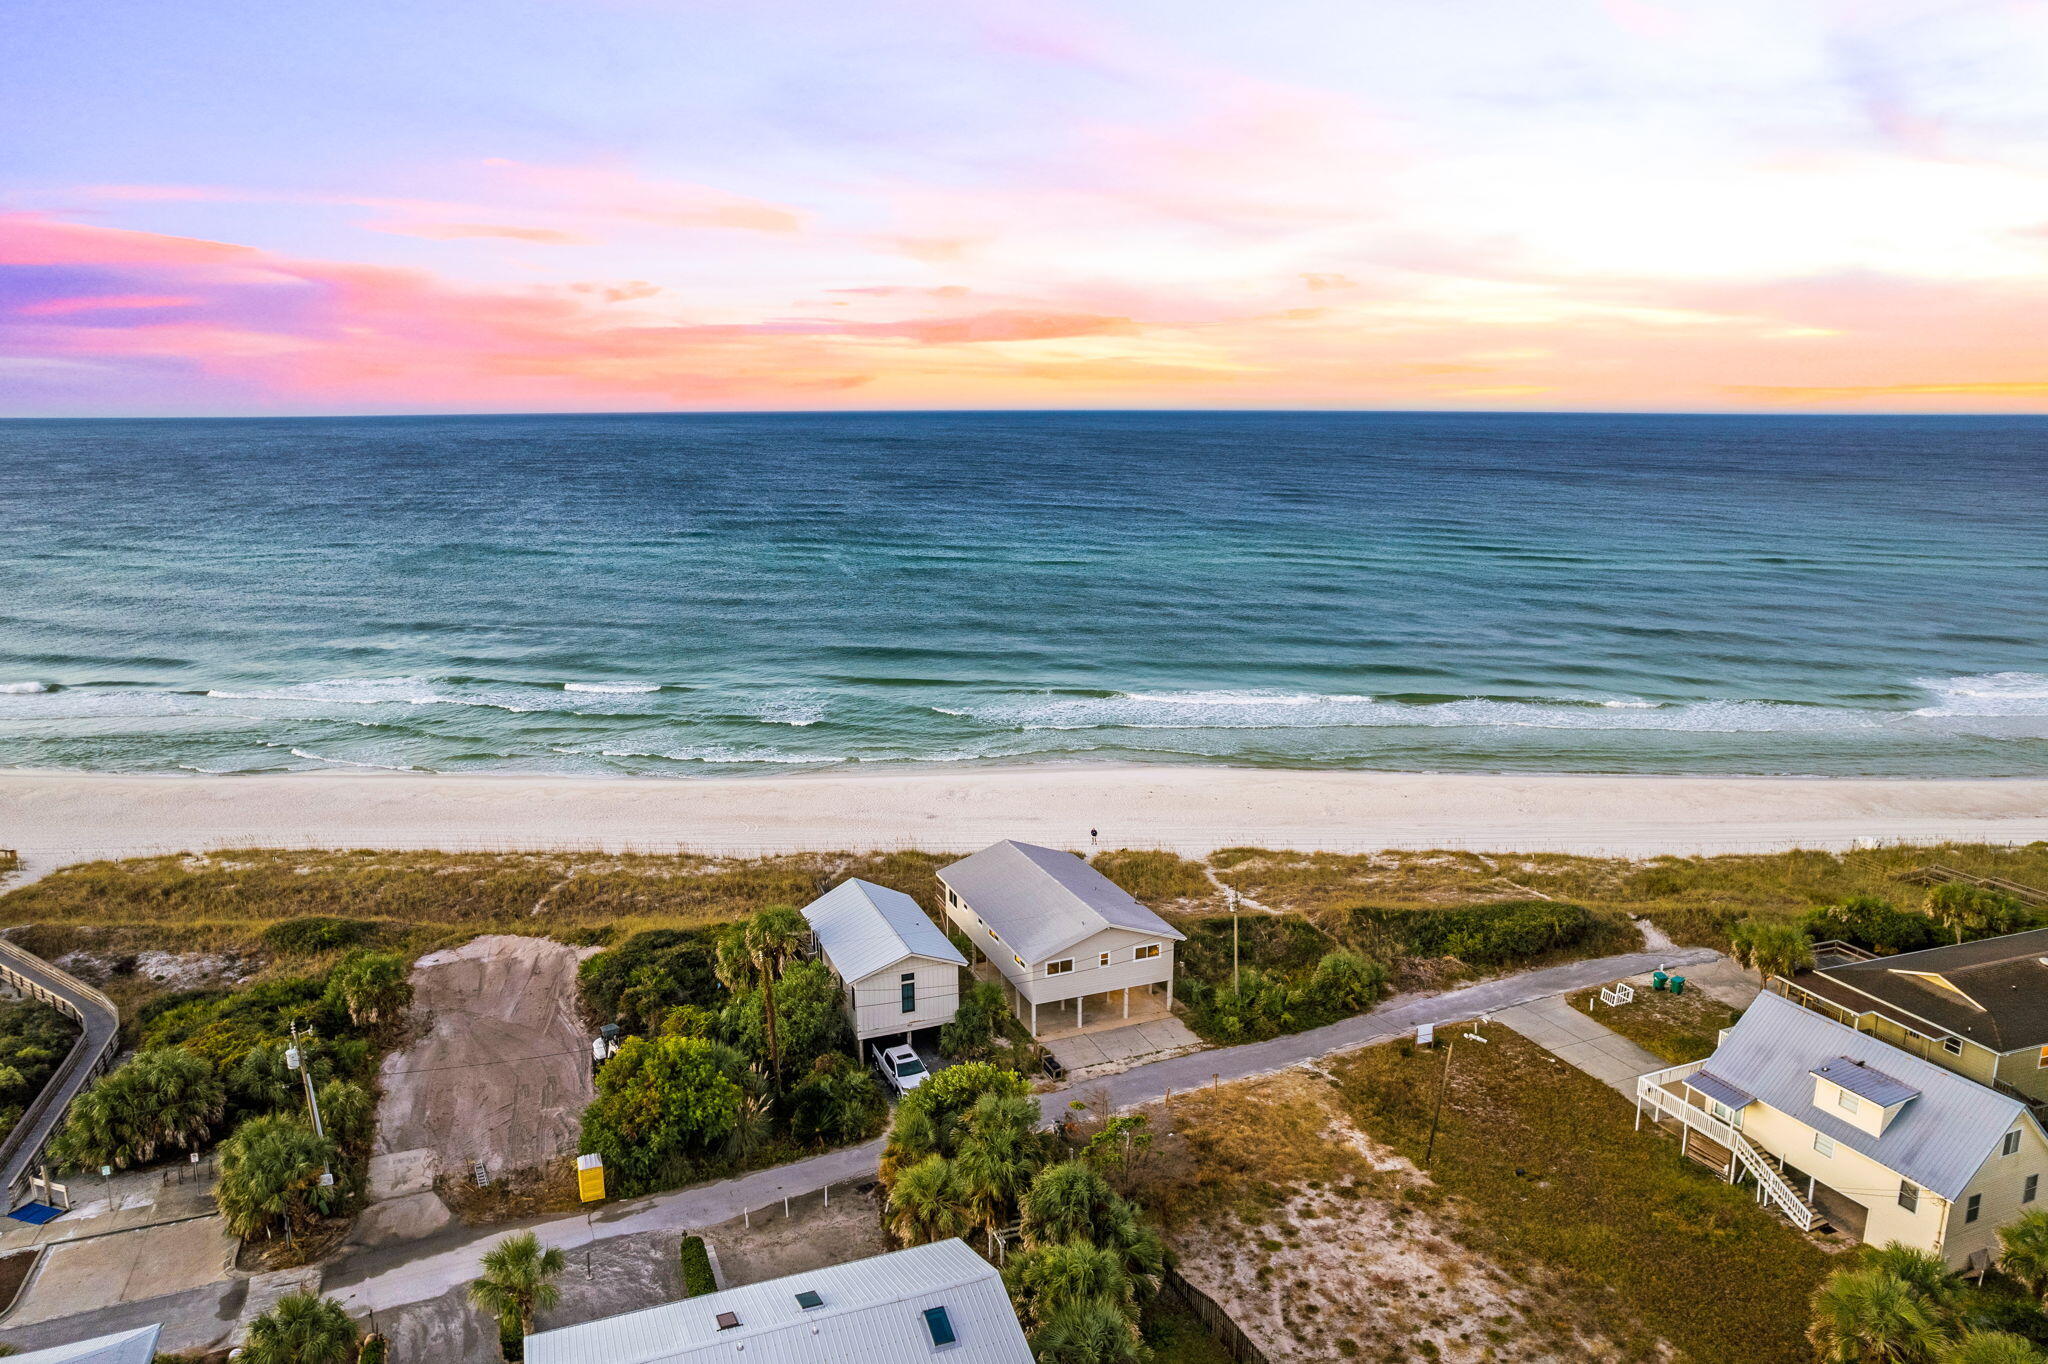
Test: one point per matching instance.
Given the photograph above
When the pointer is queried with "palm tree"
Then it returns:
(1067, 1202)
(993, 1158)
(165, 1096)
(753, 954)
(371, 987)
(348, 1110)
(1086, 1333)
(1044, 1280)
(925, 1204)
(2025, 1255)
(1992, 1347)
(518, 1283)
(1771, 949)
(301, 1329)
(1872, 1316)
(1923, 1271)
(270, 1170)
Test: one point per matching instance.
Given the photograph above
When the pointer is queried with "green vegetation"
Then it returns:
(1544, 1168)
(163, 1099)
(271, 1170)
(316, 934)
(1674, 1028)
(664, 1105)
(518, 1283)
(1177, 1335)
(984, 1029)
(697, 1276)
(34, 1039)
(1872, 922)
(1156, 879)
(1492, 935)
(303, 1329)
(838, 1102)
(1773, 948)
(1903, 1306)
(638, 982)
(375, 1350)
(965, 1157)
(1291, 975)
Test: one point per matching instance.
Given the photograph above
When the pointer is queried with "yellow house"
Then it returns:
(1836, 1126)
(1977, 1008)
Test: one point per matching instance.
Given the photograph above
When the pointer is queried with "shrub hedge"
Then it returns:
(697, 1276)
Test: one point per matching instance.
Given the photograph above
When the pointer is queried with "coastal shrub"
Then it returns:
(1970, 911)
(370, 989)
(1875, 923)
(159, 1100)
(928, 1117)
(838, 1101)
(809, 1022)
(34, 1039)
(1265, 1005)
(1344, 983)
(662, 1103)
(376, 1350)
(316, 933)
(697, 1276)
(984, 1029)
(636, 983)
(1488, 934)
(302, 1328)
(270, 1170)
(1773, 948)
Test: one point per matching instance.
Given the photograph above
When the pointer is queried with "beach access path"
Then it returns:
(382, 1279)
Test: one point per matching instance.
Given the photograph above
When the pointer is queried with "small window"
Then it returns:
(2032, 1189)
(1105, 958)
(1824, 1145)
(1909, 1195)
(1014, 957)
(1059, 968)
(1846, 1101)
(2012, 1144)
(940, 1325)
(1974, 1207)
(808, 1299)
(910, 992)
(727, 1320)
(1146, 953)
(1952, 1045)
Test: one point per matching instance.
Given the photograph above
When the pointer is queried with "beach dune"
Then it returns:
(57, 819)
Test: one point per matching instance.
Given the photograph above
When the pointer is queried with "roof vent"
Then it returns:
(808, 1299)
(727, 1320)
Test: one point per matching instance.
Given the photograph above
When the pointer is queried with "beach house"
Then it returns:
(937, 1301)
(1063, 936)
(1977, 1008)
(897, 970)
(127, 1347)
(1836, 1125)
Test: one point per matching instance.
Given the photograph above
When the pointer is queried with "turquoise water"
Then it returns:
(687, 595)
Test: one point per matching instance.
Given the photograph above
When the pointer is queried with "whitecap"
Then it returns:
(24, 688)
(346, 762)
(1980, 694)
(613, 688)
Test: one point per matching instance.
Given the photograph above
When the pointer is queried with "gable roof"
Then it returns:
(127, 1347)
(862, 927)
(870, 1311)
(1040, 900)
(1938, 1140)
(1993, 991)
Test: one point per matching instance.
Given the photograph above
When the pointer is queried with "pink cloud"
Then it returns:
(59, 307)
(544, 236)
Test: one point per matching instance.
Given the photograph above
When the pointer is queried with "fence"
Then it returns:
(1214, 1319)
(99, 1029)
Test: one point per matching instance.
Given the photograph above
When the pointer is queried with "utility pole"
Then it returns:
(1443, 1083)
(294, 1059)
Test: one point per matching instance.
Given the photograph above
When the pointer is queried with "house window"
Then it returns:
(1105, 958)
(2033, 1187)
(1014, 957)
(2041, 1061)
(1846, 1101)
(910, 992)
(1724, 1113)
(1973, 1207)
(2012, 1144)
(1952, 1045)
(1909, 1196)
(1824, 1145)
(940, 1325)
(1059, 968)
(1146, 953)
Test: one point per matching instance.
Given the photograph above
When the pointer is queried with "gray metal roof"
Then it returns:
(1937, 1140)
(1714, 1087)
(1859, 1079)
(863, 927)
(1040, 900)
(128, 1347)
(872, 1312)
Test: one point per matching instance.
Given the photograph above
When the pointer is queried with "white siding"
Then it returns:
(876, 1003)
(1089, 975)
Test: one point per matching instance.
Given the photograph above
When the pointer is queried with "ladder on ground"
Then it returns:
(1771, 1186)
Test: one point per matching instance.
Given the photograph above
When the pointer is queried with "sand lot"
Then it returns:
(501, 1069)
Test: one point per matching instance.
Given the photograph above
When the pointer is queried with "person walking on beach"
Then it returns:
(1093, 839)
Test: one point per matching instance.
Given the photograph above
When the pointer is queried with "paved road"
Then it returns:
(380, 1280)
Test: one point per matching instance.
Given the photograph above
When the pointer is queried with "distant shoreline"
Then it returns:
(55, 819)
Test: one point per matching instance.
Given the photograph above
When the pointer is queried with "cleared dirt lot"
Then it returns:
(501, 1068)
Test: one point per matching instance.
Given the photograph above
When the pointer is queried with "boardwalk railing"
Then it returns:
(1770, 1185)
(99, 1024)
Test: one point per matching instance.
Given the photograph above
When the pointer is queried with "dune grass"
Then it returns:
(1157, 879)
(1542, 1165)
(1677, 1028)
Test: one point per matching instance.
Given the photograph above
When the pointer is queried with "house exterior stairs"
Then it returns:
(1745, 1159)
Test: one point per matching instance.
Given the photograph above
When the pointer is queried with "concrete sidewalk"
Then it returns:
(1574, 1036)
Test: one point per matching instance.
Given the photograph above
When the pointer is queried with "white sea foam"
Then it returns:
(714, 754)
(613, 688)
(24, 688)
(347, 762)
(1983, 694)
(396, 691)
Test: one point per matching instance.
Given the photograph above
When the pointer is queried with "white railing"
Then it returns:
(1770, 1184)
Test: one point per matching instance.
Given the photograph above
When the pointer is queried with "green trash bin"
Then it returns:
(1678, 985)
(1657, 979)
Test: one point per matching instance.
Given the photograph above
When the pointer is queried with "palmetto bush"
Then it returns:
(161, 1100)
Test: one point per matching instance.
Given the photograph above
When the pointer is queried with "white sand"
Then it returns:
(55, 819)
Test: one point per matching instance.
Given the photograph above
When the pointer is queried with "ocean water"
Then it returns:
(691, 595)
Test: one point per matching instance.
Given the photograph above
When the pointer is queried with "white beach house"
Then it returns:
(1060, 931)
(897, 970)
(941, 1302)
(1838, 1126)
(128, 1347)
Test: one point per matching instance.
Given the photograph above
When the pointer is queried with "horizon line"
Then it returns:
(1020, 411)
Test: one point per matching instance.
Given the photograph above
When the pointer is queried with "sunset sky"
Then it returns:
(578, 205)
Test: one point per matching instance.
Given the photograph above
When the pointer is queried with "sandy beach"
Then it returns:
(55, 819)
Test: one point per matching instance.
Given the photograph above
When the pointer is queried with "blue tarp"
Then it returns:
(35, 1214)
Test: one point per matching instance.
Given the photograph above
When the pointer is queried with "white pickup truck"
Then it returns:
(900, 1067)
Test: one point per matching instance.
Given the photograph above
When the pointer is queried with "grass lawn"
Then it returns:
(1678, 1028)
(1545, 1168)
(1177, 1335)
